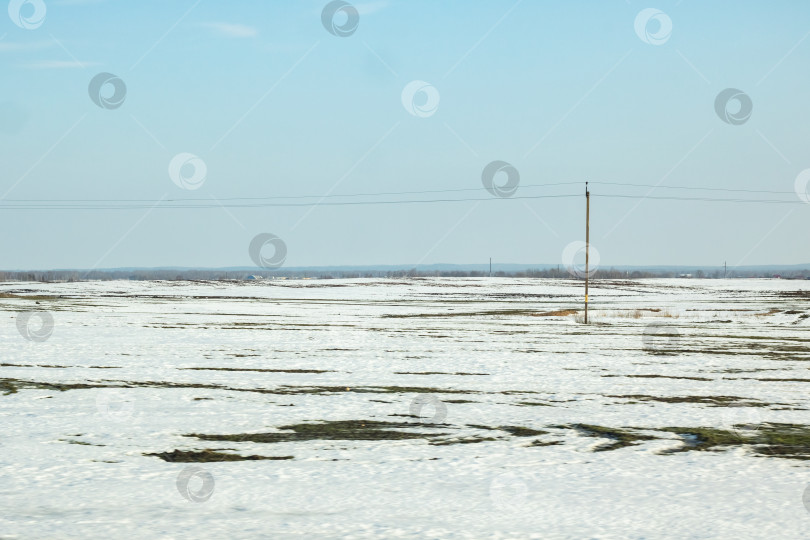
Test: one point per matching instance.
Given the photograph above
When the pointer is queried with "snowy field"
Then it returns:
(424, 408)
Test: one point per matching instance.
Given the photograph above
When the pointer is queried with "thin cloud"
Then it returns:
(15, 46)
(231, 30)
(58, 64)
(76, 2)
(370, 7)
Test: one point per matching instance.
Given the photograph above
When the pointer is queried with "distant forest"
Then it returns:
(241, 275)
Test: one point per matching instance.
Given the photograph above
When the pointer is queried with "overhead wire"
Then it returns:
(329, 199)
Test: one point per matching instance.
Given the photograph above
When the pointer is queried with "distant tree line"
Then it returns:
(232, 275)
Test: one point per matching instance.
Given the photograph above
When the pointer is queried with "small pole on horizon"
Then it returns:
(490, 267)
(587, 244)
(725, 270)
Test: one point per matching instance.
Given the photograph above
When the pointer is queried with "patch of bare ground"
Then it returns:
(685, 377)
(260, 370)
(790, 441)
(340, 430)
(10, 386)
(208, 456)
(558, 313)
(620, 437)
(54, 366)
(435, 373)
(711, 401)
(459, 314)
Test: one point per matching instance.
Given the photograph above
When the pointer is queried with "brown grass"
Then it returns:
(592, 318)
(630, 314)
(558, 313)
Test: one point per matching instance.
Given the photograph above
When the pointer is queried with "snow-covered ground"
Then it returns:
(450, 361)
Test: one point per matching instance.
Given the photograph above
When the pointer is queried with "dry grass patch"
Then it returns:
(558, 313)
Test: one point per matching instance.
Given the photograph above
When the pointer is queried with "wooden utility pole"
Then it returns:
(587, 245)
(490, 267)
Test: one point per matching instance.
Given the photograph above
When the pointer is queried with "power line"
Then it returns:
(730, 190)
(707, 199)
(328, 196)
(215, 204)
(384, 194)
(260, 205)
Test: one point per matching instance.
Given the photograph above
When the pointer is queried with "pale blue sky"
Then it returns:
(277, 106)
